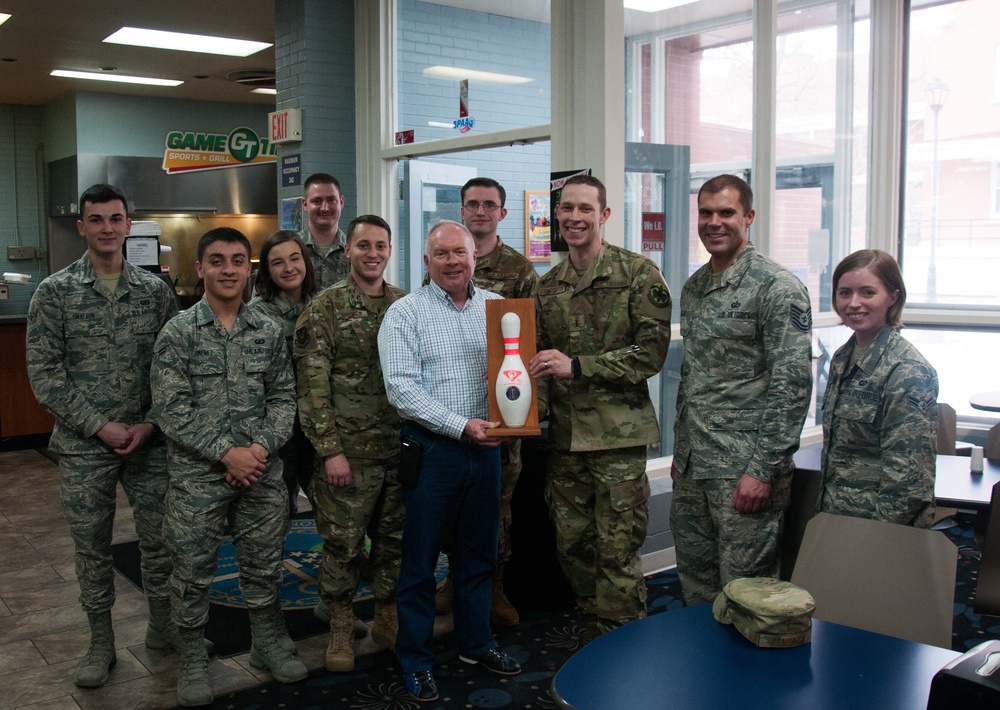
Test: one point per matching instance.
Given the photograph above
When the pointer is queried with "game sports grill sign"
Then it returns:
(187, 151)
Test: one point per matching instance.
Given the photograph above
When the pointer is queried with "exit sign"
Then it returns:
(285, 125)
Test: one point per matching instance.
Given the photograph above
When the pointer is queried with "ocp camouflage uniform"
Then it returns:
(89, 354)
(296, 455)
(331, 267)
(344, 410)
(213, 390)
(880, 433)
(615, 317)
(744, 394)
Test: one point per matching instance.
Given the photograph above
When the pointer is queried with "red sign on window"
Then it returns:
(653, 231)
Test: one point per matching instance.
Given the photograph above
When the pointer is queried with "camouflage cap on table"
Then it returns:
(768, 612)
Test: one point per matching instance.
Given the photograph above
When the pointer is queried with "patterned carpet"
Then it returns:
(228, 621)
(542, 642)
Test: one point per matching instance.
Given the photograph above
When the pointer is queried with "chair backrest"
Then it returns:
(992, 448)
(882, 577)
(988, 586)
(947, 429)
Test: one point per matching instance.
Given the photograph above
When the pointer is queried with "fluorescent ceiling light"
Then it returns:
(121, 78)
(4, 17)
(440, 124)
(655, 5)
(158, 39)
(271, 92)
(487, 77)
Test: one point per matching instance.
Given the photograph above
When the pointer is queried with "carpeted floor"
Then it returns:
(542, 643)
(228, 622)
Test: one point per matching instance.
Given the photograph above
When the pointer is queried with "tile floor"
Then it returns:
(43, 631)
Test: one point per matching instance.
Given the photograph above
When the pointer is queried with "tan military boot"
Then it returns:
(444, 599)
(386, 624)
(502, 612)
(322, 613)
(96, 666)
(339, 656)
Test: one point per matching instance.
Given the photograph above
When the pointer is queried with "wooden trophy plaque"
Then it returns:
(525, 310)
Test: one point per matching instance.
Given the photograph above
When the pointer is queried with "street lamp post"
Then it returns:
(937, 93)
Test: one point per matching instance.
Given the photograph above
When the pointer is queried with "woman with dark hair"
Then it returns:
(285, 282)
(880, 408)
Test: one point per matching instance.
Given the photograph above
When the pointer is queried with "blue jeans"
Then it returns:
(457, 498)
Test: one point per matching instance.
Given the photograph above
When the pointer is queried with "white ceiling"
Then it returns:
(44, 35)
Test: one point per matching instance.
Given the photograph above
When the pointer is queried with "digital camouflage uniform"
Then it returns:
(505, 271)
(743, 396)
(89, 356)
(615, 317)
(214, 389)
(880, 433)
(296, 455)
(330, 268)
(344, 409)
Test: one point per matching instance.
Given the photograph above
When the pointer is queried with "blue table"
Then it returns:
(685, 659)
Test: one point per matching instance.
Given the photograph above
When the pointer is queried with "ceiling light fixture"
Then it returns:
(160, 39)
(655, 5)
(487, 77)
(270, 92)
(120, 78)
(4, 17)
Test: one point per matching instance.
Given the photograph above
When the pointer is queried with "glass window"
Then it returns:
(690, 102)
(691, 85)
(503, 60)
(951, 233)
(431, 187)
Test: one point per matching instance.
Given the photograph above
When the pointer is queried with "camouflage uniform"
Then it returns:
(880, 433)
(214, 389)
(330, 268)
(743, 396)
(297, 455)
(89, 356)
(344, 410)
(615, 318)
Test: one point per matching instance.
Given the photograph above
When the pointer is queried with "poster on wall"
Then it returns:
(556, 182)
(537, 240)
(291, 214)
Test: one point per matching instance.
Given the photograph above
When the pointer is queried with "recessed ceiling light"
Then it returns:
(272, 92)
(121, 78)
(655, 5)
(4, 17)
(488, 77)
(159, 39)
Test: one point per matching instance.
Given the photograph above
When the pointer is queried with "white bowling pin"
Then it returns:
(513, 386)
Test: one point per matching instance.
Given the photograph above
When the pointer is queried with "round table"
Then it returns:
(986, 401)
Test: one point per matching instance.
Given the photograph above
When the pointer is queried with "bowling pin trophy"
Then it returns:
(510, 342)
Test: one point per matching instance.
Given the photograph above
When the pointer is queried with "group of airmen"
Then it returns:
(213, 419)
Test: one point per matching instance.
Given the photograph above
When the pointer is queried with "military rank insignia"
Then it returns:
(801, 318)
